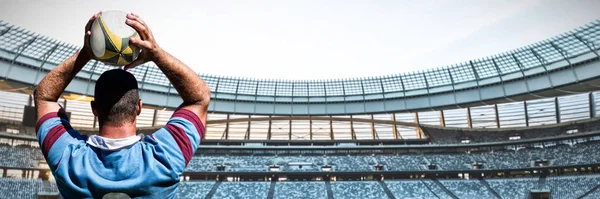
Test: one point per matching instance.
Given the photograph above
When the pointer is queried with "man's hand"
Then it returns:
(87, 50)
(150, 49)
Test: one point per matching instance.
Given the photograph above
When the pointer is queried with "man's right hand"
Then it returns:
(150, 49)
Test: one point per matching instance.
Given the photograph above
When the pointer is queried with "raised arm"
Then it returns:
(48, 91)
(192, 89)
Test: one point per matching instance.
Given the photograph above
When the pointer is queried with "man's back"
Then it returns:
(149, 167)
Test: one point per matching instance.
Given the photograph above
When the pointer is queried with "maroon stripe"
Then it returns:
(51, 138)
(182, 141)
(193, 118)
(46, 118)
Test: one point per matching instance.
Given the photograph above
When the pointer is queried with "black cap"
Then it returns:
(112, 85)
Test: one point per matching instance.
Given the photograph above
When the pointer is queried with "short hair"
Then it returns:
(116, 97)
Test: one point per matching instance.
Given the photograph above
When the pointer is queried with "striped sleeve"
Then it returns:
(180, 137)
(54, 134)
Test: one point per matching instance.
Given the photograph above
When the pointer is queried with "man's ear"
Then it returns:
(139, 109)
(93, 105)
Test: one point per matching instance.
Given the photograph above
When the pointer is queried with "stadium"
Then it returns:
(518, 124)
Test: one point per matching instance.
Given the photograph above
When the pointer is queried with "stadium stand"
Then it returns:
(415, 189)
(560, 155)
(436, 189)
(593, 195)
(20, 156)
(194, 190)
(467, 189)
(357, 190)
(571, 186)
(250, 190)
(23, 188)
(517, 188)
(300, 190)
(26, 156)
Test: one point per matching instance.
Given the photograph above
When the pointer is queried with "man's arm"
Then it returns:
(48, 91)
(53, 130)
(192, 89)
(183, 132)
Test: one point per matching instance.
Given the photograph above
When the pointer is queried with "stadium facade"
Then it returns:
(527, 117)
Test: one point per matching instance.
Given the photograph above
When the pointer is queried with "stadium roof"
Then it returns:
(556, 62)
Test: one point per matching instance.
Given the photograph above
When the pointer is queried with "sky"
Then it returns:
(320, 39)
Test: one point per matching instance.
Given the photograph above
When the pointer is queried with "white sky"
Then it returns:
(319, 39)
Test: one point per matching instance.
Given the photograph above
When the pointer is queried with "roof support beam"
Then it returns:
(543, 64)
(403, 91)
(227, 128)
(247, 136)
(586, 43)
(592, 103)
(290, 129)
(557, 110)
(5, 31)
(383, 93)
(19, 51)
(442, 119)
(497, 116)
(44, 58)
(564, 54)
(87, 88)
(143, 78)
(331, 129)
(417, 122)
(453, 88)
(476, 80)
(168, 93)
(269, 129)
(427, 87)
(469, 118)
(394, 127)
(373, 131)
(352, 132)
(526, 114)
(154, 117)
(310, 130)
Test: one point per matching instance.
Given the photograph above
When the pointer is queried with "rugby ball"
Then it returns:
(110, 39)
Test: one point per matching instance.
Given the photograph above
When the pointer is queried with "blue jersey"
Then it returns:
(149, 168)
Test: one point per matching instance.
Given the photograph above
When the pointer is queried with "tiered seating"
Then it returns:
(594, 195)
(436, 189)
(249, 190)
(517, 188)
(414, 189)
(506, 159)
(571, 186)
(358, 190)
(401, 162)
(467, 189)
(20, 188)
(455, 161)
(194, 190)
(562, 155)
(349, 163)
(300, 190)
(20, 156)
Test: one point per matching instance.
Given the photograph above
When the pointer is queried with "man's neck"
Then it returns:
(116, 132)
